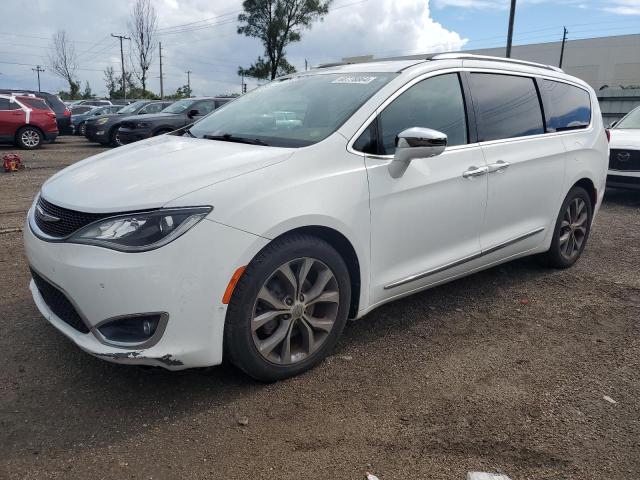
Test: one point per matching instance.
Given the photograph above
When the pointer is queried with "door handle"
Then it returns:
(475, 172)
(500, 166)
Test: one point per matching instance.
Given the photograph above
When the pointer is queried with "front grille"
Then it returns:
(628, 160)
(68, 220)
(59, 303)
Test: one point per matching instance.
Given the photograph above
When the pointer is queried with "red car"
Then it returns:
(26, 121)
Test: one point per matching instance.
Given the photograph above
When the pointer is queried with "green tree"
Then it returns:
(182, 92)
(277, 23)
(87, 94)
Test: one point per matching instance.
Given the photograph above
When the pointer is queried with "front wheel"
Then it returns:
(82, 129)
(572, 229)
(288, 309)
(114, 137)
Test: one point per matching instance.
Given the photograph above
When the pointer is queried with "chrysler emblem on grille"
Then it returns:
(44, 216)
(624, 156)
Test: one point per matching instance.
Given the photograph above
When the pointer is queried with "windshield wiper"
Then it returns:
(227, 137)
(188, 132)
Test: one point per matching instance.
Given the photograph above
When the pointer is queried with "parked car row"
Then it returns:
(26, 120)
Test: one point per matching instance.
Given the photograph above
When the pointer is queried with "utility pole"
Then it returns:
(512, 16)
(38, 69)
(161, 78)
(306, 65)
(564, 40)
(124, 88)
(189, 81)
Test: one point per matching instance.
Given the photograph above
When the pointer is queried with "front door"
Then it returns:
(425, 225)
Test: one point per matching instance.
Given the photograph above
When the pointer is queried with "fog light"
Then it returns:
(132, 330)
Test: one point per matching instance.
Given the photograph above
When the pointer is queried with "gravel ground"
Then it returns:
(505, 370)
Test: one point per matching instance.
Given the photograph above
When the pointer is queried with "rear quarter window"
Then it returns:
(566, 107)
(36, 103)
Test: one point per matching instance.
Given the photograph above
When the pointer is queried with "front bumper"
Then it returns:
(186, 278)
(620, 179)
(128, 135)
(96, 133)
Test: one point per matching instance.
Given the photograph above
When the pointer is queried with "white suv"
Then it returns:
(256, 232)
(624, 159)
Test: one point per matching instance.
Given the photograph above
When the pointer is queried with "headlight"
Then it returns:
(140, 232)
(142, 125)
(101, 121)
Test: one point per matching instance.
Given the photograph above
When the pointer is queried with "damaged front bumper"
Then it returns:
(186, 279)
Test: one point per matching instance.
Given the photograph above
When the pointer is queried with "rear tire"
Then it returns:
(301, 321)
(572, 229)
(82, 129)
(29, 138)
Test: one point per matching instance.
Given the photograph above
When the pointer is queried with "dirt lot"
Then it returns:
(505, 370)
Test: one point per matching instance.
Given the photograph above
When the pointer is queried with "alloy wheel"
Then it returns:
(295, 311)
(30, 138)
(573, 229)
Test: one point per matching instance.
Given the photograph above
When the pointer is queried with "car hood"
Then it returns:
(107, 115)
(625, 138)
(150, 173)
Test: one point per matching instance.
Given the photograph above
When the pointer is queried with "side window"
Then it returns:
(435, 103)
(4, 104)
(205, 107)
(219, 103)
(565, 107)
(506, 106)
(367, 142)
(152, 108)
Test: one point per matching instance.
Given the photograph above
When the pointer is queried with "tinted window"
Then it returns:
(219, 103)
(205, 107)
(367, 142)
(36, 103)
(506, 106)
(152, 108)
(565, 107)
(435, 103)
(4, 104)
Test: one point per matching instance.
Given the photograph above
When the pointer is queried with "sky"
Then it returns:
(200, 35)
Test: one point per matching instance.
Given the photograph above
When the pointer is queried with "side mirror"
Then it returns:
(414, 143)
(193, 113)
(613, 124)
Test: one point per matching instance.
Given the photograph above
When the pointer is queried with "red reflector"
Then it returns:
(608, 132)
(67, 112)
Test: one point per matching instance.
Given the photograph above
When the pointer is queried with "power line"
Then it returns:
(124, 76)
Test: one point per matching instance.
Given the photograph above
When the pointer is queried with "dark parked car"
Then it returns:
(78, 120)
(104, 129)
(93, 102)
(178, 115)
(63, 114)
(79, 109)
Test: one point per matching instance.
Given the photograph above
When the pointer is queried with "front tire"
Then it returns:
(114, 137)
(572, 229)
(288, 309)
(29, 138)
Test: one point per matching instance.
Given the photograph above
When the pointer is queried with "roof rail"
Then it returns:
(472, 56)
(334, 64)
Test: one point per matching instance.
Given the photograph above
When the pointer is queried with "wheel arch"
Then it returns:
(35, 127)
(345, 249)
(591, 189)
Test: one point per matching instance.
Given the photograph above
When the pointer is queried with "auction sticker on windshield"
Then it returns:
(354, 79)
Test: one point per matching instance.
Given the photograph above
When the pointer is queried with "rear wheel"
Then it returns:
(29, 138)
(288, 309)
(572, 229)
(82, 129)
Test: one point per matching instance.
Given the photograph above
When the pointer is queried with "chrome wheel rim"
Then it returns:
(295, 311)
(30, 138)
(573, 229)
(83, 128)
(118, 142)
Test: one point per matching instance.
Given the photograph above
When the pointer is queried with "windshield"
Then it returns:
(632, 120)
(132, 107)
(293, 112)
(179, 106)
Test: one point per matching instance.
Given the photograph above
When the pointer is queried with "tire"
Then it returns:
(82, 129)
(572, 229)
(114, 137)
(256, 336)
(29, 138)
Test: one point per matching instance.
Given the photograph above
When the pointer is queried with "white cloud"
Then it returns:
(623, 7)
(214, 51)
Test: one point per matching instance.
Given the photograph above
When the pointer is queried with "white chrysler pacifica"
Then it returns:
(256, 232)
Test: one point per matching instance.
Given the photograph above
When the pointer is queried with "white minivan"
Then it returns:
(255, 233)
